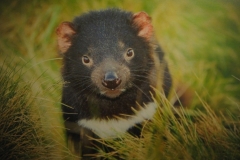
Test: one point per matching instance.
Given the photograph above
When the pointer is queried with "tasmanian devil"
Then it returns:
(111, 63)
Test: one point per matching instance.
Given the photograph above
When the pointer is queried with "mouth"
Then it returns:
(112, 93)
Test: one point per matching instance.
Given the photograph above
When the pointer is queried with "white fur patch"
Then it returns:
(112, 128)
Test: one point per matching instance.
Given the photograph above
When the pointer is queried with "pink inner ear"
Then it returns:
(64, 32)
(143, 22)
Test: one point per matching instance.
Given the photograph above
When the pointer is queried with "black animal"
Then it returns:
(111, 61)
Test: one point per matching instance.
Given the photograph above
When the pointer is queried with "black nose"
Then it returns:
(111, 80)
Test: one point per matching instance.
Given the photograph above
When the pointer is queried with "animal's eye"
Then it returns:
(130, 53)
(85, 60)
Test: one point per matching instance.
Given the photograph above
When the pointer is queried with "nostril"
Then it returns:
(111, 80)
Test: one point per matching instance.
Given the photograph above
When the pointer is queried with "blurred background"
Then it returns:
(201, 41)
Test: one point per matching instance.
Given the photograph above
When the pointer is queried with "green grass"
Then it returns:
(202, 44)
(22, 133)
(180, 134)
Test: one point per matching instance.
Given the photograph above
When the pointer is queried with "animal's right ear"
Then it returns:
(65, 31)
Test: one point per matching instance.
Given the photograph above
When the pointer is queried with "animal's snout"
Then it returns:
(111, 80)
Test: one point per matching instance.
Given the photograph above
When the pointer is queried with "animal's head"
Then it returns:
(106, 52)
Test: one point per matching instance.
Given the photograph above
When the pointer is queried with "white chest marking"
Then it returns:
(112, 128)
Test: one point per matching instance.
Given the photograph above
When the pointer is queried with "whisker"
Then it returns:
(136, 86)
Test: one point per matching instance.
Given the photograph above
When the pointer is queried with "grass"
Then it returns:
(180, 134)
(22, 133)
(201, 42)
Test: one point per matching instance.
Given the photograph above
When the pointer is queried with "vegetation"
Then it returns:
(202, 45)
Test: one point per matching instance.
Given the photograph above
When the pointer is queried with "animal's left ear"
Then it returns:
(143, 23)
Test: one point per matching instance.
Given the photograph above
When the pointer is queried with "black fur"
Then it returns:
(103, 30)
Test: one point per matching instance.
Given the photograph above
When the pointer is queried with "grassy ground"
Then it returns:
(202, 44)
